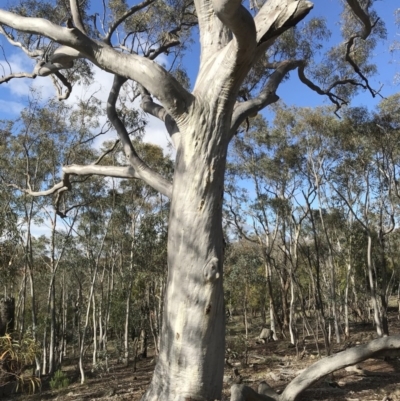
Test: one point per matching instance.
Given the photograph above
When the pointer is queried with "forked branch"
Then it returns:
(141, 169)
(267, 95)
(150, 107)
(363, 34)
(155, 78)
(29, 53)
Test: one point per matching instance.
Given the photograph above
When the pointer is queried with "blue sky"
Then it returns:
(14, 94)
(294, 92)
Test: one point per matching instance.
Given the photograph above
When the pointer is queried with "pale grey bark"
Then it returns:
(129, 291)
(191, 349)
(266, 97)
(76, 15)
(95, 338)
(158, 111)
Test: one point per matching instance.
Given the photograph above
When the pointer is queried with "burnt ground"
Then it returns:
(274, 362)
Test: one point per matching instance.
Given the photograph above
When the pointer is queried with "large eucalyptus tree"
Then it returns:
(243, 60)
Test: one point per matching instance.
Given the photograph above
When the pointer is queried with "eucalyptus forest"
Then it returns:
(252, 258)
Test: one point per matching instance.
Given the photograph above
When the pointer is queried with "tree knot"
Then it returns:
(211, 270)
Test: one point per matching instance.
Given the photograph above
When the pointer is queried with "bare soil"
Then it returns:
(275, 362)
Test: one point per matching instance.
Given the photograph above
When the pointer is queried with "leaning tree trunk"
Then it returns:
(380, 347)
(192, 338)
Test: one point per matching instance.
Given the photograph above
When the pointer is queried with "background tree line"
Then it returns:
(311, 225)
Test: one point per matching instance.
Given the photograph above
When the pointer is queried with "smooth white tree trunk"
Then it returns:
(192, 343)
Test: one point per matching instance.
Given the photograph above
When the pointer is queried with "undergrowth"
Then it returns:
(15, 359)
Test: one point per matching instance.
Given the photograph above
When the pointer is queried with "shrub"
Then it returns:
(15, 358)
(59, 380)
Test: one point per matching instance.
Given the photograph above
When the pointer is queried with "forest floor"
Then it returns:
(275, 362)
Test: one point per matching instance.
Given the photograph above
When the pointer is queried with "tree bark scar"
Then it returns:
(177, 336)
(211, 270)
(208, 309)
(201, 205)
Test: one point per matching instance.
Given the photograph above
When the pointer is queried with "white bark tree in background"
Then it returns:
(201, 124)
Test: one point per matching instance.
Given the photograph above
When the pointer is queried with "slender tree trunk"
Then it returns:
(374, 300)
(94, 319)
(100, 310)
(65, 299)
(84, 330)
(52, 329)
(20, 310)
(29, 269)
(246, 325)
(126, 326)
(385, 285)
(110, 288)
(272, 310)
(346, 301)
(331, 265)
(292, 320)
(160, 313)
(285, 287)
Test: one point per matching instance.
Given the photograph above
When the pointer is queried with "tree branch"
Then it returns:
(240, 22)
(126, 15)
(106, 171)
(377, 348)
(10, 39)
(76, 15)
(338, 361)
(333, 98)
(363, 34)
(214, 35)
(266, 97)
(17, 75)
(142, 170)
(150, 107)
(152, 76)
(66, 83)
(277, 16)
(224, 65)
(62, 58)
(63, 185)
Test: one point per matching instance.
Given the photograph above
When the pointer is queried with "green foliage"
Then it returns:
(59, 380)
